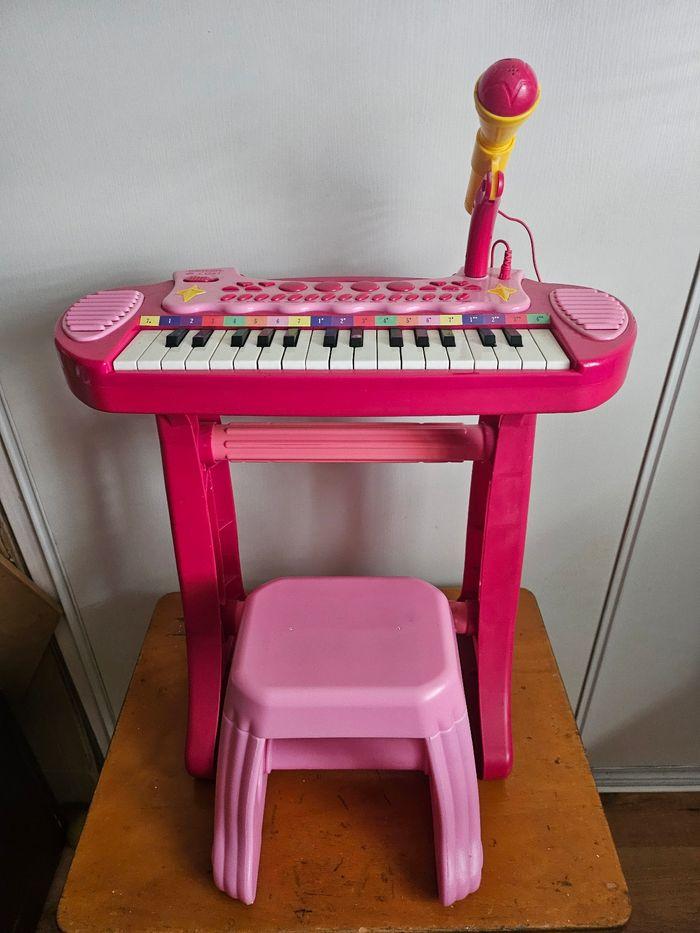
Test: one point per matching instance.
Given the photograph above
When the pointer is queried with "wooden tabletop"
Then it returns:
(343, 850)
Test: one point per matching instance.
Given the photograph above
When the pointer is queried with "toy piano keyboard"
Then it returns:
(485, 341)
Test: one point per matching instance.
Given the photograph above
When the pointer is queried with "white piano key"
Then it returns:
(507, 356)
(200, 356)
(484, 357)
(318, 356)
(247, 356)
(151, 357)
(366, 355)
(176, 356)
(342, 353)
(388, 357)
(224, 355)
(530, 353)
(295, 357)
(412, 356)
(435, 354)
(271, 357)
(460, 355)
(551, 351)
(127, 359)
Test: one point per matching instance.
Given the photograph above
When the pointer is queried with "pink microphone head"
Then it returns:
(508, 88)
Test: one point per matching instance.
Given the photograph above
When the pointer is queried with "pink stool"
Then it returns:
(346, 672)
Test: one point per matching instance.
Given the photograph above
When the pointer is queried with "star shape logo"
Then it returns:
(189, 293)
(503, 292)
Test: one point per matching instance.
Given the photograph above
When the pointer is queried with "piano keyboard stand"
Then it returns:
(196, 453)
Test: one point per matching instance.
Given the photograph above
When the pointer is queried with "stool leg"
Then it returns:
(241, 782)
(455, 799)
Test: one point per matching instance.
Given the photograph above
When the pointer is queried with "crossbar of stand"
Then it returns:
(348, 442)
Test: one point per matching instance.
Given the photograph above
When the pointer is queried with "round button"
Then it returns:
(364, 297)
(278, 297)
(427, 288)
(229, 288)
(328, 286)
(411, 297)
(379, 297)
(437, 282)
(201, 278)
(394, 297)
(266, 284)
(295, 298)
(227, 297)
(400, 286)
(461, 282)
(462, 296)
(427, 297)
(451, 288)
(445, 297)
(248, 285)
(363, 286)
(330, 297)
(346, 296)
(263, 297)
(292, 286)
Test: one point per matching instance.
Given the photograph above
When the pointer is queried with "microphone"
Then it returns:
(505, 95)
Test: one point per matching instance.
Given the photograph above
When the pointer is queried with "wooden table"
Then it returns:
(343, 850)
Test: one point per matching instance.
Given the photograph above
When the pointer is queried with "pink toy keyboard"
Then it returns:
(483, 341)
(215, 340)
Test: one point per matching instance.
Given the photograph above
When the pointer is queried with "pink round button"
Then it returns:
(411, 297)
(364, 297)
(363, 286)
(228, 297)
(437, 282)
(328, 286)
(346, 296)
(295, 297)
(394, 297)
(445, 297)
(229, 288)
(400, 286)
(292, 286)
(427, 297)
(330, 297)
(451, 288)
(427, 288)
(278, 297)
(266, 284)
(247, 284)
(263, 297)
(380, 296)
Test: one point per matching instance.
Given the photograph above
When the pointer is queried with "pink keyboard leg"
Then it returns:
(496, 527)
(206, 551)
(241, 782)
(455, 798)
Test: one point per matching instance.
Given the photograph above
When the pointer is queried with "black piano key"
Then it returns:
(265, 336)
(395, 337)
(291, 338)
(514, 338)
(486, 336)
(202, 336)
(330, 337)
(239, 337)
(356, 337)
(422, 339)
(447, 338)
(176, 338)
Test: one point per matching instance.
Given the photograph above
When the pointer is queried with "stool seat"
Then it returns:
(349, 672)
(345, 656)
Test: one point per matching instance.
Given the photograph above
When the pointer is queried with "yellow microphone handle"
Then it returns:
(493, 146)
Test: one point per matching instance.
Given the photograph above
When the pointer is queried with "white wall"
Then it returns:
(323, 137)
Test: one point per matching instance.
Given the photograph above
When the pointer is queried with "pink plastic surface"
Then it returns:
(590, 312)
(322, 669)
(508, 88)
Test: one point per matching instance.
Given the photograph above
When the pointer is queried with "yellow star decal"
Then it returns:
(189, 293)
(503, 292)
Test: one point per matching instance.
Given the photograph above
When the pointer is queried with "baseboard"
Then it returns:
(619, 780)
